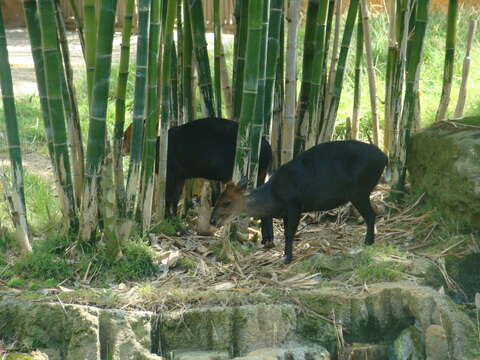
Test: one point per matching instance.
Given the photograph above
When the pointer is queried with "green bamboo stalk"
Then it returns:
(90, 26)
(462, 95)
(358, 73)
(329, 123)
(187, 50)
(313, 114)
(241, 166)
(449, 59)
(333, 59)
(308, 56)
(405, 12)
(145, 203)
(179, 67)
(415, 44)
(276, 124)
(165, 106)
(174, 87)
(201, 56)
(217, 27)
(51, 59)
(33, 28)
(392, 56)
(139, 106)
(120, 106)
(250, 88)
(273, 53)
(239, 56)
(78, 24)
(225, 81)
(13, 139)
(98, 116)
(288, 126)
(71, 108)
(257, 126)
(370, 70)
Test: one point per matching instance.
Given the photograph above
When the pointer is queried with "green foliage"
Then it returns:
(136, 263)
(47, 264)
(172, 227)
(186, 264)
(16, 282)
(374, 264)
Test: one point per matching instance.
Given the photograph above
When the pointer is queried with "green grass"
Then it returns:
(49, 264)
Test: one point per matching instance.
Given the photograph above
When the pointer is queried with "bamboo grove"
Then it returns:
(175, 71)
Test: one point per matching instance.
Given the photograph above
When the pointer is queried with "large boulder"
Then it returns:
(444, 163)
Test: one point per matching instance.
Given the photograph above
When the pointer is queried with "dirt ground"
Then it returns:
(21, 61)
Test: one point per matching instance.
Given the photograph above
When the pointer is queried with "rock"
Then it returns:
(358, 351)
(436, 343)
(444, 163)
(201, 355)
(242, 328)
(291, 352)
(380, 314)
(71, 332)
(409, 345)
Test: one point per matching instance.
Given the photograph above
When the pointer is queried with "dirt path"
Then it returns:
(21, 61)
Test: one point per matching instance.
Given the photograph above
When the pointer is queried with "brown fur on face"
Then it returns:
(230, 204)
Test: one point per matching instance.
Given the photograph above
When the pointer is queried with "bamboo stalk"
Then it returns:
(370, 70)
(179, 67)
(201, 56)
(259, 112)
(449, 59)
(334, 56)
(391, 64)
(273, 54)
(241, 9)
(329, 124)
(225, 81)
(462, 94)
(187, 68)
(403, 14)
(13, 139)
(51, 58)
(71, 109)
(288, 128)
(120, 107)
(165, 107)
(78, 24)
(250, 91)
(139, 106)
(90, 26)
(309, 43)
(314, 109)
(358, 72)
(97, 130)
(276, 123)
(411, 89)
(145, 201)
(217, 26)
(34, 33)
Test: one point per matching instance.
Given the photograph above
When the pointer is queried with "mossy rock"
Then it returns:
(444, 163)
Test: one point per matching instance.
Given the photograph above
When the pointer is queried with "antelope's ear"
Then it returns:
(243, 183)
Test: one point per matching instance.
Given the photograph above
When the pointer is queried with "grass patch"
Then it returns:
(376, 264)
(172, 227)
(49, 265)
